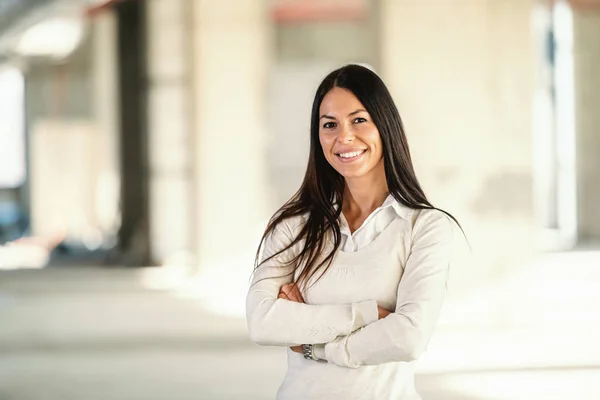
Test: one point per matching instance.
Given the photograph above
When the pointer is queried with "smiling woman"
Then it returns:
(348, 136)
(351, 272)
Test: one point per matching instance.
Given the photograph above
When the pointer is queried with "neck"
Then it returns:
(364, 194)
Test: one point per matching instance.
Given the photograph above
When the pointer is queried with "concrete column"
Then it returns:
(106, 115)
(461, 73)
(169, 129)
(231, 58)
(586, 64)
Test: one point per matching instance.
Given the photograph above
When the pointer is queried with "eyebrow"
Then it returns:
(351, 114)
(356, 112)
(326, 116)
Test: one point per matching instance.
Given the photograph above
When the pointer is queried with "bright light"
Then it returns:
(12, 134)
(56, 38)
(565, 121)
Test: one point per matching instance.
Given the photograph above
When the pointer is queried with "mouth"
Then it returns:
(350, 156)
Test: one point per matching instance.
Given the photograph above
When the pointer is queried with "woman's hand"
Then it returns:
(291, 292)
(383, 312)
(297, 349)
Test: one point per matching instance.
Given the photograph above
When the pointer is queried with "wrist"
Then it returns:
(308, 352)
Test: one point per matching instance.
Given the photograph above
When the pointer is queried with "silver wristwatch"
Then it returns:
(307, 351)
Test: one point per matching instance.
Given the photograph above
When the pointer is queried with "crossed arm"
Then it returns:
(291, 292)
(353, 335)
(276, 321)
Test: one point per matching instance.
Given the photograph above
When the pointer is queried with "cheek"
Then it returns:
(326, 142)
(377, 143)
(372, 137)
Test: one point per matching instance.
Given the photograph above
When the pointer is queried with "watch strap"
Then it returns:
(307, 351)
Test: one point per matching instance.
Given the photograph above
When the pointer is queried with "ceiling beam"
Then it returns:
(585, 4)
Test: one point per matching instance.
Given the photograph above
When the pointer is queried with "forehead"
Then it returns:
(340, 101)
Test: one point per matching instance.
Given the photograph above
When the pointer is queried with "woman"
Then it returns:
(354, 267)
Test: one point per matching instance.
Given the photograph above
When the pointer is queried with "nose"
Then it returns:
(345, 134)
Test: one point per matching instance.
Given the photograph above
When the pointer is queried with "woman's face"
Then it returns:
(349, 138)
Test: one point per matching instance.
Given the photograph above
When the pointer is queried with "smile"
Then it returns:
(352, 156)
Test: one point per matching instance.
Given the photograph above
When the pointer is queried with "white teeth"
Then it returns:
(350, 155)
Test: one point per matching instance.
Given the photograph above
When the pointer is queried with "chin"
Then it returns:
(356, 173)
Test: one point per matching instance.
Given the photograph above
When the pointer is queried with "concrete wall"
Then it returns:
(304, 53)
(462, 75)
(586, 63)
(231, 55)
(105, 113)
(70, 108)
(170, 134)
(207, 130)
(342, 41)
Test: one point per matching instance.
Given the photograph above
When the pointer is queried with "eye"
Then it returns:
(359, 120)
(329, 125)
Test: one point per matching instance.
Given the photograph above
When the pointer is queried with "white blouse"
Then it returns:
(373, 225)
(399, 260)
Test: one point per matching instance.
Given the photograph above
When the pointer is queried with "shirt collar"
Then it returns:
(402, 210)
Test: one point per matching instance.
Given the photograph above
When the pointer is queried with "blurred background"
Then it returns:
(145, 144)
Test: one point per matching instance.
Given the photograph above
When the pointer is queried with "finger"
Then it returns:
(292, 295)
(289, 295)
(290, 287)
(287, 289)
(298, 294)
(292, 292)
(282, 296)
(296, 297)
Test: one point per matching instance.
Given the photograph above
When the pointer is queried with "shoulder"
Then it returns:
(290, 227)
(433, 222)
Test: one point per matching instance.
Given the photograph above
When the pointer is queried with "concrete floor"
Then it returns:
(90, 333)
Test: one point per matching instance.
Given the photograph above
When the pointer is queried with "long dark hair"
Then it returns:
(320, 195)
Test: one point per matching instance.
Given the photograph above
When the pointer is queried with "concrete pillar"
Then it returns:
(586, 64)
(231, 58)
(461, 73)
(170, 134)
(106, 116)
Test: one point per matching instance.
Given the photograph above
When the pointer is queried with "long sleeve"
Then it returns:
(404, 334)
(278, 322)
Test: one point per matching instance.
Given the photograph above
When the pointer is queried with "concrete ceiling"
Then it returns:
(18, 15)
(12, 11)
